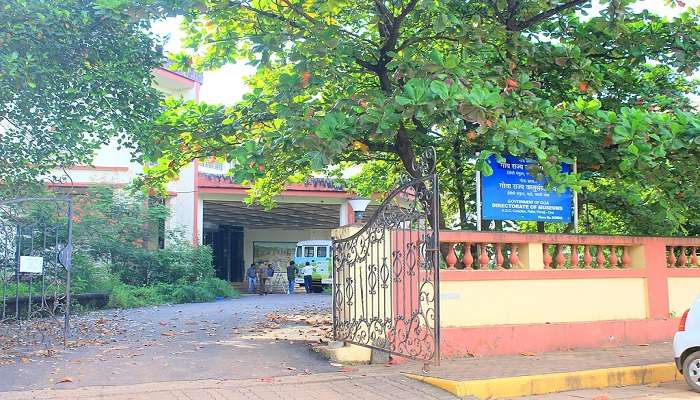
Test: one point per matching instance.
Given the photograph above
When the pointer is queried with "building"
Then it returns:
(207, 207)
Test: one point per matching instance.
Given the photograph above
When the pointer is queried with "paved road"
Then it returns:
(329, 386)
(234, 339)
(248, 348)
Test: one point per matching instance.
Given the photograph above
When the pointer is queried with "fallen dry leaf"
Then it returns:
(527, 354)
(65, 379)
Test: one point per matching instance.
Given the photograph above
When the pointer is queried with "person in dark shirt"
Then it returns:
(251, 275)
(291, 276)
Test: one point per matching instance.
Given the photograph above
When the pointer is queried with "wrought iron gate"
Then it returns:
(386, 275)
(35, 266)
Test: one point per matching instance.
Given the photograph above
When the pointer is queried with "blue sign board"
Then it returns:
(511, 193)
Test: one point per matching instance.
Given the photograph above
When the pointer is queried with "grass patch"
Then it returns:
(204, 290)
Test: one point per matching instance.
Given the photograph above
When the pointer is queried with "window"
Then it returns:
(298, 251)
(308, 251)
(321, 251)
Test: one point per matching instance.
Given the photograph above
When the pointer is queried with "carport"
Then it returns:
(241, 234)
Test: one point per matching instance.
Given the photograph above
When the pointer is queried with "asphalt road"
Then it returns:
(249, 337)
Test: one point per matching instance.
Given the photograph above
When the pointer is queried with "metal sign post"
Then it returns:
(478, 200)
(575, 170)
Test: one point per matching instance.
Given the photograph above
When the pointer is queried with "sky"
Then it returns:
(226, 85)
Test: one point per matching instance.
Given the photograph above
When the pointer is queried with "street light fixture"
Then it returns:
(359, 205)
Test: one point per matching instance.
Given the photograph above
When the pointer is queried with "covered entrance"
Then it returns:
(240, 234)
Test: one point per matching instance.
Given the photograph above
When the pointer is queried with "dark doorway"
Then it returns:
(227, 245)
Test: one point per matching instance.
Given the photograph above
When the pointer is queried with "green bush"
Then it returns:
(115, 251)
(91, 276)
(181, 261)
(123, 296)
(218, 287)
(208, 289)
(192, 294)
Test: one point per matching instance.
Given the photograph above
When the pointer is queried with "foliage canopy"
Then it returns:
(356, 81)
(75, 74)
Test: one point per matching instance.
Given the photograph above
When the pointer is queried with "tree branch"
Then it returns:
(415, 40)
(380, 147)
(511, 12)
(300, 11)
(546, 14)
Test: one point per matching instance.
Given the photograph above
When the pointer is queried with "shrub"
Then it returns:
(115, 252)
(123, 296)
(181, 261)
(208, 289)
(218, 287)
(192, 294)
(90, 276)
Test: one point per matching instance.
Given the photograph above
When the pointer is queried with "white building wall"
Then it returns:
(344, 214)
(277, 235)
(182, 205)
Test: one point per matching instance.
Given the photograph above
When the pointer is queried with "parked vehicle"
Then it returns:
(686, 345)
(318, 254)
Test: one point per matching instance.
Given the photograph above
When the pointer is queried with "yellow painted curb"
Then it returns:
(558, 382)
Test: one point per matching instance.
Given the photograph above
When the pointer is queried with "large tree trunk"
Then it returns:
(408, 158)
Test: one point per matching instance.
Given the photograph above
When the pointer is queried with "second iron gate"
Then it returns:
(35, 266)
(386, 275)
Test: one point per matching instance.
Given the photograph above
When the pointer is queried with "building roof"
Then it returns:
(207, 180)
(189, 74)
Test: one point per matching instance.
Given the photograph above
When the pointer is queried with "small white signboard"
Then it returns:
(31, 264)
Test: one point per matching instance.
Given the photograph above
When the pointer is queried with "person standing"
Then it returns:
(269, 273)
(251, 274)
(291, 277)
(262, 279)
(307, 271)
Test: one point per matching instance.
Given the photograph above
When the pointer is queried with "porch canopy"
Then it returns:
(291, 216)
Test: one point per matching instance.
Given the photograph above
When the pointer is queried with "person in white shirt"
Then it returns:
(307, 271)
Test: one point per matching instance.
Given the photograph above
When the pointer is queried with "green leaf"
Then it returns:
(541, 155)
(632, 148)
(440, 88)
(403, 100)
(436, 57)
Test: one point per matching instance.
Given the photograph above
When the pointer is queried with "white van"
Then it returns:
(318, 254)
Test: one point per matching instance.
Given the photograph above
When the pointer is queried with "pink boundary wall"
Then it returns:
(536, 338)
(655, 268)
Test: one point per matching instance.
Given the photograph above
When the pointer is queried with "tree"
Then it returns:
(357, 81)
(75, 74)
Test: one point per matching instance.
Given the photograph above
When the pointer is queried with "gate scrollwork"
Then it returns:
(386, 275)
(37, 230)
